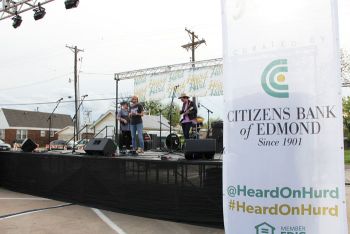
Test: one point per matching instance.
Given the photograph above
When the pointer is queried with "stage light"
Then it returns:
(17, 20)
(71, 3)
(39, 12)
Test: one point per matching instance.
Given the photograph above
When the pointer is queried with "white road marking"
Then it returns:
(108, 221)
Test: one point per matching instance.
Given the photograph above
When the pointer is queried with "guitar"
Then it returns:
(187, 112)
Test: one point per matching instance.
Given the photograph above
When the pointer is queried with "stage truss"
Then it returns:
(168, 68)
(181, 66)
(8, 8)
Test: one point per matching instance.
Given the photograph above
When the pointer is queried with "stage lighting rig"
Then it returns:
(71, 3)
(17, 20)
(39, 12)
(8, 8)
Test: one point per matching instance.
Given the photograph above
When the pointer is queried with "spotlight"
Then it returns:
(17, 20)
(39, 12)
(71, 3)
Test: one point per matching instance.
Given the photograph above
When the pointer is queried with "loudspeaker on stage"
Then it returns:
(28, 145)
(200, 148)
(100, 146)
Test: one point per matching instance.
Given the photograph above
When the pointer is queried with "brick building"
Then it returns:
(21, 124)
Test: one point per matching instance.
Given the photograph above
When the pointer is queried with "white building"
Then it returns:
(104, 126)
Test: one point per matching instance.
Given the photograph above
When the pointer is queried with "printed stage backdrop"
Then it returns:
(283, 161)
(198, 82)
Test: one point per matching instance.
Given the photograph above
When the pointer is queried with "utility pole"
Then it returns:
(75, 50)
(193, 45)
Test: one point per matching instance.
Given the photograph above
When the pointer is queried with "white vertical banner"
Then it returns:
(283, 168)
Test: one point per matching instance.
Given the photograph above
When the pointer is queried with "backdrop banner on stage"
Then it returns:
(283, 159)
(199, 82)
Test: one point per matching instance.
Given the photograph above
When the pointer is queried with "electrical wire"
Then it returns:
(36, 83)
(46, 103)
(95, 73)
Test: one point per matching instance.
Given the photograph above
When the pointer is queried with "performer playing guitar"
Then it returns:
(189, 112)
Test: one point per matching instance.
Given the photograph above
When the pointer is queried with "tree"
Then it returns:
(345, 66)
(175, 117)
(346, 116)
(152, 107)
(155, 107)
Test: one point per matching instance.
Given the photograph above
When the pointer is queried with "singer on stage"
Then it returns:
(189, 112)
(136, 125)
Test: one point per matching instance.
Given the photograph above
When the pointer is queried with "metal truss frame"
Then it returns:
(169, 68)
(8, 8)
(181, 66)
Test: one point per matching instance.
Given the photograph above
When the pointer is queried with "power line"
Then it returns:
(96, 73)
(35, 83)
(46, 103)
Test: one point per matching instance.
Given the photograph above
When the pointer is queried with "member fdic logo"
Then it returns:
(273, 79)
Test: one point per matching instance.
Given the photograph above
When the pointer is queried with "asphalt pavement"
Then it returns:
(24, 214)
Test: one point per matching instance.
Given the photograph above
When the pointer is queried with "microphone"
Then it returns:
(60, 99)
(176, 86)
(84, 96)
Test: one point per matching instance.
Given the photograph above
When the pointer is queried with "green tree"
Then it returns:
(346, 116)
(152, 107)
(155, 107)
(175, 117)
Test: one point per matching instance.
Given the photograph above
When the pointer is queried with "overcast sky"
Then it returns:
(116, 36)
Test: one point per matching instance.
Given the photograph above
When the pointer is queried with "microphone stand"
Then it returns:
(75, 119)
(209, 111)
(50, 122)
(170, 116)
(160, 129)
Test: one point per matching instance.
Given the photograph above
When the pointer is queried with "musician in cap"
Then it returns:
(124, 120)
(189, 113)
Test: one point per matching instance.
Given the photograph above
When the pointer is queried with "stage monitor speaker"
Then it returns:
(217, 134)
(28, 145)
(100, 146)
(199, 148)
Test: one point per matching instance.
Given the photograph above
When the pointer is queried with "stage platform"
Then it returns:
(174, 189)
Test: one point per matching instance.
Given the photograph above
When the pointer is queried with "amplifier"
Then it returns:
(200, 148)
(100, 146)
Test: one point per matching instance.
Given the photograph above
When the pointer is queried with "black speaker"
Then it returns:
(28, 145)
(199, 148)
(217, 134)
(100, 146)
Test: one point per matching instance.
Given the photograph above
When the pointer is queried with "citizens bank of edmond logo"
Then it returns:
(273, 79)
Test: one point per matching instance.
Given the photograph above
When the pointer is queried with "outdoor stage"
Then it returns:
(174, 189)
